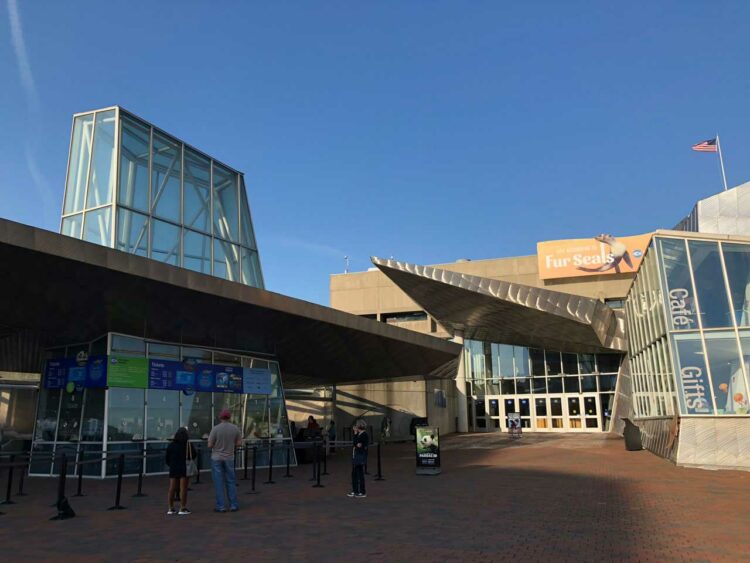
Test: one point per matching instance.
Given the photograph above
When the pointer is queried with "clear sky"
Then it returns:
(426, 131)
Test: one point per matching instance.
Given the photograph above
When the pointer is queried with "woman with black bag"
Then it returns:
(180, 458)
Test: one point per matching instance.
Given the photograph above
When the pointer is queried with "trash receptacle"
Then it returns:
(632, 435)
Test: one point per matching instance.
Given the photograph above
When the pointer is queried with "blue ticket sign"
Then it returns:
(56, 373)
(256, 381)
(176, 376)
(91, 372)
(228, 379)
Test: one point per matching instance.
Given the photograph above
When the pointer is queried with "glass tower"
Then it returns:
(133, 187)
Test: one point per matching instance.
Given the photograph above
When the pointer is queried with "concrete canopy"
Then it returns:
(59, 290)
(511, 313)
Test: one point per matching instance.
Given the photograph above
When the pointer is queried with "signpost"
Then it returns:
(428, 450)
(514, 425)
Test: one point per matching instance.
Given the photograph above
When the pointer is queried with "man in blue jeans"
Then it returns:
(223, 440)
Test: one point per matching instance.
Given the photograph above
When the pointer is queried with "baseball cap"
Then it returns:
(225, 414)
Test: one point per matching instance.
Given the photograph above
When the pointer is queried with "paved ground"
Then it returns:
(561, 498)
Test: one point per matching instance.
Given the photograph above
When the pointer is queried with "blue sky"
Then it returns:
(427, 131)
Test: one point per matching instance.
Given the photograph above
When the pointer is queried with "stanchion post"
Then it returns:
(61, 515)
(21, 477)
(316, 461)
(325, 460)
(288, 459)
(244, 478)
(270, 465)
(8, 500)
(252, 490)
(140, 492)
(380, 467)
(198, 462)
(120, 469)
(79, 488)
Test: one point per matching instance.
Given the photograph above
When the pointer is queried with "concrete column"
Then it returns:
(462, 411)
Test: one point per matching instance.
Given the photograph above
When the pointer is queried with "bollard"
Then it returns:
(140, 493)
(314, 466)
(316, 461)
(252, 490)
(288, 460)
(325, 461)
(270, 465)
(380, 468)
(64, 510)
(20, 492)
(244, 478)
(198, 462)
(8, 500)
(120, 469)
(79, 489)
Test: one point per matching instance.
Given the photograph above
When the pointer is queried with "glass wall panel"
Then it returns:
(71, 226)
(521, 360)
(197, 252)
(126, 413)
(69, 426)
(161, 351)
(608, 363)
(49, 406)
(226, 260)
(502, 355)
(246, 224)
(132, 232)
(197, 213)
(128, 344)
(680, 296)
(165, 242)
(586, 362)
(554, 364)
(570, 363)
(97, 226)
(196, 415)
(694, 389)
(163, 412)
(737, 260)
(165, 178)
(537, 361)
(730, 391)
(709, 283)
(735, 385)
(92, 429)
(104, 163)
(226, 213)
(232, 402)
(251, 268)
(134, 157)
(78, 169)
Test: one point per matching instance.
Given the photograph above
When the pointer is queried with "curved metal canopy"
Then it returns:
(507, 312)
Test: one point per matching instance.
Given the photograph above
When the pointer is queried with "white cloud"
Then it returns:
(22, 57)
(310, 246)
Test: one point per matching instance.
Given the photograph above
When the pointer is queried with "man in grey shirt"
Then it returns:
(222, 440)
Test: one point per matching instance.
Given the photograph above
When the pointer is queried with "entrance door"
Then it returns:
(520, 404)
(591, 420)
(541, 414)
(556, 416)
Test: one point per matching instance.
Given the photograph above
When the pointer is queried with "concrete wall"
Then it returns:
(715, 443)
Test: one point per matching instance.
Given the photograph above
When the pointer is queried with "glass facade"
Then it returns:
(551, 390)
(135, 188)
(134, 420)
(686, 319)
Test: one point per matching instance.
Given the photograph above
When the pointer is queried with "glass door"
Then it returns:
(541, 414)
(493, 410)
(575, 414)
(524, 407)
(556, 416)
(591, 412)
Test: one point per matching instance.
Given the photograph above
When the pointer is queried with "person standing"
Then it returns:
(178, 452)
(360, 444)
(223, 440)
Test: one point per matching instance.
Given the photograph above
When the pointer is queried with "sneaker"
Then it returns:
(361, 495)
(184, 511)
(221, 510)
(171, 511)
(352, 494)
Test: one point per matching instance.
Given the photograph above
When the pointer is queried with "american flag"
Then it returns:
(706, 146)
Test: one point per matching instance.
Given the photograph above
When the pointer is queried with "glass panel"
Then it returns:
(163, 351)
(196, 415)
(571, 384)
(97, 226)
(588, 383)
(165, 178)
(537, 361)
(125, 414)
(163, 412)
(156, 464)
(132, 463)
(555, 406)
(523, 385)
(539, 384)
(103, 165)
(554, 384)
(248, 236)
(165, 242)
(730, 391)
(256, 418)
(226, 260)
(586, 362)
(78, 169)
(68, 429)
(226, 214)
(132, 232)
(508, 387)
(709, 283)
(134, 153)
(494, 408)
(17, 410)
(694, 391)
(570, 363)
(232, 402)
(680, 296)
(71, 226)
(589, 405)
(128, 344)
(524, 407)
(521, 360)
(737, 260)
(554, 365)
(502, 355)
(251, 268)
(608, 363)
(46, 425)
(92, 429)
(574, 406)
(607, 400)
(197, 252)
(541, 407)
(197, 196)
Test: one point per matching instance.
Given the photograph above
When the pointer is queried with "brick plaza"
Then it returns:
(561, 498)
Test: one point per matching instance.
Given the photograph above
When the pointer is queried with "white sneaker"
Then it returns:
(361, 495)
(171, 511)
(183, 512)
(352, 494)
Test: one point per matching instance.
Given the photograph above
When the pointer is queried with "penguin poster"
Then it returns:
(428, 450)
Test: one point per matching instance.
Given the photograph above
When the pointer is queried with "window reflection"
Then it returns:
(165, 178)
(165, 242)
(163, 414)
(134, 157)
(92, 429)
(197, 195)
(132, 232)
(737, 260)
(71, 226)
(692, 376)
(103, 163)
(226, 213)
(97, 226)
(78, 168)
(248, 236)
(680, 296)
(226, 260)
(709, 283)
(125, 414)
(196, 415)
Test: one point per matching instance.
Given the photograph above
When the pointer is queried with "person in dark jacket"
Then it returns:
(360, 443)
(178, 452)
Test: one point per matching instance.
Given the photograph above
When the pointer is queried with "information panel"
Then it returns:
(428, 450)
(256, 381)
(88, 372)
(125, 371)
(175, 376)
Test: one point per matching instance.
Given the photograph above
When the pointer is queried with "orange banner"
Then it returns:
(596, 256)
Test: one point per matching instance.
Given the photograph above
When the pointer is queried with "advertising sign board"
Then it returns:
(428, 450)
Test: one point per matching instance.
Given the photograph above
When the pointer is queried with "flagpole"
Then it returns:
(721, 162)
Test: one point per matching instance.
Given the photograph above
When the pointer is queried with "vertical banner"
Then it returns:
(428, 450)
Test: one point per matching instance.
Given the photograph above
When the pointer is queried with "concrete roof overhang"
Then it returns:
(511, 313)
(60, 290)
